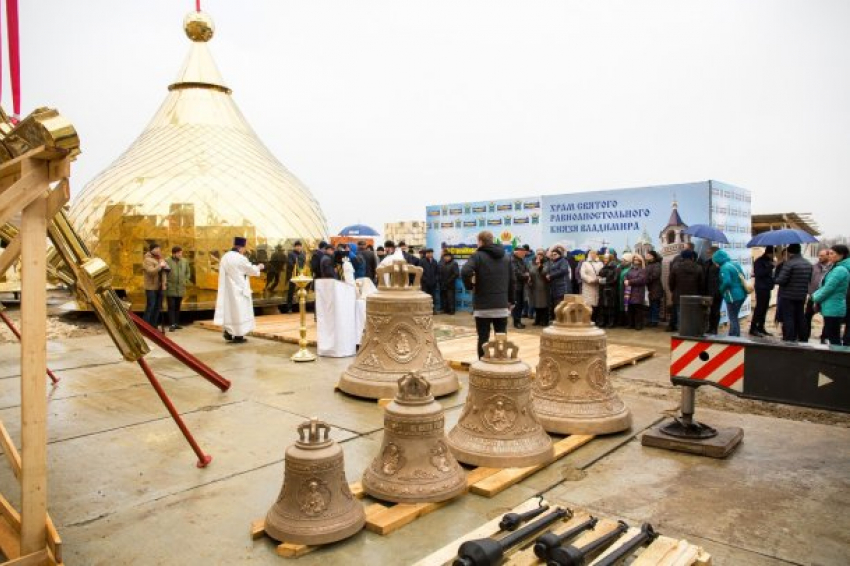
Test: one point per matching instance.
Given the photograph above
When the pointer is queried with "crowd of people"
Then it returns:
(628, 291)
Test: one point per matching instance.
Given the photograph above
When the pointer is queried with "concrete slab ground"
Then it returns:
(124, 489)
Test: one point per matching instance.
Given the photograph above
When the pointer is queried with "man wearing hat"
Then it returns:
(763, 272)
(234, 307)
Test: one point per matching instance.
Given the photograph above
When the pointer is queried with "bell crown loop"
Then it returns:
(398, 276)
(310, 437)
(501, 351)
(573, 311)
(413, 389)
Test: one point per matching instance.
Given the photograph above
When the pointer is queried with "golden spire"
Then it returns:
(196, 177)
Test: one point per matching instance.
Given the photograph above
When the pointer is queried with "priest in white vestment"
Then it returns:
(234, 306)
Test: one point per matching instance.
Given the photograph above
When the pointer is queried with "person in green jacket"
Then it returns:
(731, 288)
(831, 298)
(175, 285)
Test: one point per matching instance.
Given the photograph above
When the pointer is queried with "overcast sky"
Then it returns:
(382, 107)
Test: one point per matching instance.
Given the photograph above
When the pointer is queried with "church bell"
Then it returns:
(572, 392)
(498, 427)
(414, 464)
(398, 339)
(315, 505)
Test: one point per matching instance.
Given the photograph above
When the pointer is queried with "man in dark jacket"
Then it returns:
(608, 278)
(316, 260)
(408, 257)
(277, 264)
(370, 261)
(763, 272)
(295, 260)
(686, 278)
(712, 289)
(487, 273)
(793, 281)
(327, 265)
(449, 274)
(430, 276)
(520, 275)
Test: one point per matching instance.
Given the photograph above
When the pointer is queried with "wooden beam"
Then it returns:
(10, 514)
(10, 451)
(10, 540)
(21, 193)
(37, 558)
(33, 368)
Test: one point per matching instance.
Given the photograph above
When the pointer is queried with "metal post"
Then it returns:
(203, 459)
(303, 354)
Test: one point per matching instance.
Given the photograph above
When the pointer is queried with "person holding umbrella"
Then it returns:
(831, 298)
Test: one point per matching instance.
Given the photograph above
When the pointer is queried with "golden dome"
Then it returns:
(198, 26)
(196, 177)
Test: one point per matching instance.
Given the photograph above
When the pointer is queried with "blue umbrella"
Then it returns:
(707, 233)
(781, 238)
(358, 230)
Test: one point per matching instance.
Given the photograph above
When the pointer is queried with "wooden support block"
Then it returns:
(258, 529)
(357, 490)
(288, 550)
(384, 402)
(477, 474)
(10, 539)
(10, 451)
(504, 479)
(660, 549)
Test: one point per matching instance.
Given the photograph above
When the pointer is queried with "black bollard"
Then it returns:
(510, 521)
(548, 541)
(646, 535)
(572, 556)
(489, 552)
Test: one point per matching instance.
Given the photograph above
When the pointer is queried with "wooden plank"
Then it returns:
(288, 550)
(449, 552)
(477, 474)
(10, 540)
(54, 541)
(10, 451)
(502, 480)
(258, 529)
(37, 558)
(393, 518)
(33, 369)
(10, 514)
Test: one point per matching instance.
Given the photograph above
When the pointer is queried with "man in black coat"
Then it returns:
(449, 274)
(277, 264)
(430, 276)
(763, 272)
(408, 257)
(487, 273)
(712, 289)
(327, 265)
(686, 278)
(793, 281)
(370, 261)
(520, 274)
(295, 260)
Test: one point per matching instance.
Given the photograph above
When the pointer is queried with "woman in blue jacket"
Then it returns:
(731, 288)
(831, 298)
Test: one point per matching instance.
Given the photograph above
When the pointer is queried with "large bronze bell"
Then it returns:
(498, 427)
(572, 392)
(398, 339)
(315, 505)
(414, 464)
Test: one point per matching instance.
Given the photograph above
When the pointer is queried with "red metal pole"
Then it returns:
(182, 355)
(203, 459)
(17, 334)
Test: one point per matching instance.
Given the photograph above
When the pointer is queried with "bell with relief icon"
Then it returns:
(315, 505)
(572, 392)
(414, 464)
(398, 338)
(498, 427)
